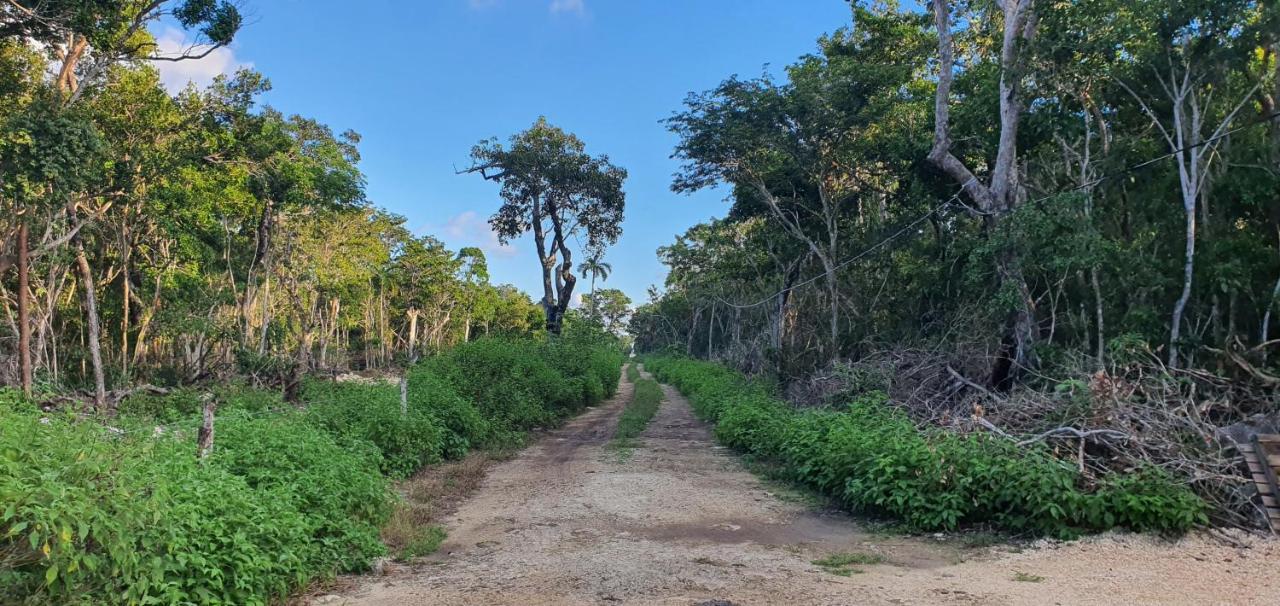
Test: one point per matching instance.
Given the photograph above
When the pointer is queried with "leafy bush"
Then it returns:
(335, 485)
(93, 514)
(90, 514)
(186, 402)
(516, 384)
(372, 413)
(510, 381)
(872, 458)
(464, 426)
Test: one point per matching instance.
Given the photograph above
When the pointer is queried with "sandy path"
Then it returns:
(681, 522)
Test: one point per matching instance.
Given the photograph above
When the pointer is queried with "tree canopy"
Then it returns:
(552, 188)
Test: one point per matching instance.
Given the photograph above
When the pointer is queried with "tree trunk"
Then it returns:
(711, 329)
(413, 334)
(94, 343)
(833, 294)
(124, 320)
(1097, 298)
(693, 328)
(24, 308)
(264, 335)
(1266, 317)
(302, 363)
(565, 279)
(1188, 269)
(784, 298)
(999, 197)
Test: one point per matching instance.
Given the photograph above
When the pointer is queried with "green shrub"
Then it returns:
(464, 426)
(91, 516)
(12, 400)
(94, 514)
(187, 402)
(335, 485)
(509, 381)
(519, 384)
(372, 413)
(872, 458)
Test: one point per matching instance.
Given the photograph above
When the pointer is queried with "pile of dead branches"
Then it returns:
(1121, 417)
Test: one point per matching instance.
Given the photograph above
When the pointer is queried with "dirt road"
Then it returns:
(679, 521)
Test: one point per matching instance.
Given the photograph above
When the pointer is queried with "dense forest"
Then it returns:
(162, 238)
(1063, 214)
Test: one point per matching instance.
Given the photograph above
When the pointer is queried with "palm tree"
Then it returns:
(597, 269)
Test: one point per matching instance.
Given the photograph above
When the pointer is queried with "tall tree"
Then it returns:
(554, 189)
(1000, 195)
(1192, 105)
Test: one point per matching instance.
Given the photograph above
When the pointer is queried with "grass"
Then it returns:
(413, 530)
(636, 416)
(633, 372)
(1027, 577)
(425, 542)
(842, 564)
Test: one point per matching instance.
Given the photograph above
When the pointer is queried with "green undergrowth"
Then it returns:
(636, 416)
(633, 372)
(126, 514)
(870, 458)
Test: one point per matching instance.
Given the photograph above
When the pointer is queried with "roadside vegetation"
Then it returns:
(288, 495)
(1050, 223)
(638, 412)
(870, 458)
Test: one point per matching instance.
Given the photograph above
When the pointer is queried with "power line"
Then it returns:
(956, 196)
(1150, 161)
(856, 257)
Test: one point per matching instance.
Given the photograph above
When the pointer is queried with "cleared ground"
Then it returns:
(680, 521)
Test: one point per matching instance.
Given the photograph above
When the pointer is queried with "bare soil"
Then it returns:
(680, 521)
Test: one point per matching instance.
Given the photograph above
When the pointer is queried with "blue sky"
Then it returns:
(422, 82)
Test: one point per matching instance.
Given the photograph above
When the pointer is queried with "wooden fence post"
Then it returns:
(204, 440)
(404, 396)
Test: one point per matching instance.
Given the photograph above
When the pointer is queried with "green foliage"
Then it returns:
(509, 381)
(91, 515)
(187, 402)
(519, 384)
(872, 458)
(333, 484)
(639, 411)
(129, 515)
(464, 426)
(372, 413)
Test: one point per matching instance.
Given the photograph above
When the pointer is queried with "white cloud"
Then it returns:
(469, 229)
(176, 74)
(568, 6)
